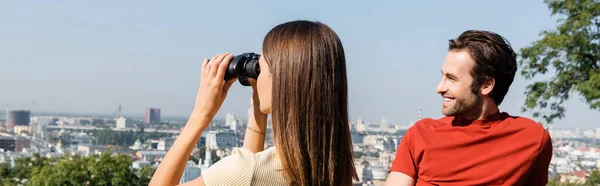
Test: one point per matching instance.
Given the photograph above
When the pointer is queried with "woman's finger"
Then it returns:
(223, 66)
(214, 67)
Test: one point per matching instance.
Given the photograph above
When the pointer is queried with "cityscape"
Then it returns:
(146, 141)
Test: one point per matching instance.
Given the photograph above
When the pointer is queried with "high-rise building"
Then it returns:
(123, 123)
(190, 172)
(13, 143)
(207, 159)
(2, 126)
(598, 133)
(211, 140)
(17, 118)
(229, 119)
(384, 124)
(236, 124)
(152, 116)
(226, 139)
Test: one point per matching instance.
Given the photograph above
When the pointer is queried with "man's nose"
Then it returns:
(441, 87)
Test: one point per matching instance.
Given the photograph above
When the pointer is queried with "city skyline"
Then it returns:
(88, 57)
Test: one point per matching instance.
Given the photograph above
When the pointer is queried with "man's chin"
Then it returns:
(448, 112)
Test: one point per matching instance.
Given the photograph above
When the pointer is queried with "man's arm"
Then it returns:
(404, 170)
(538, 174)
(399, 179)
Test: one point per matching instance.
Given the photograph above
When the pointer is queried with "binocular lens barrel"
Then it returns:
(243, 66)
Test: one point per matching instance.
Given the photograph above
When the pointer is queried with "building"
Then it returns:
(140, 163)
(384, 124)
(191, 171)
(229, 119)
(379, 172)
(45, 120)
(165, 144)
(123, 123)
(22, 129)
(386, 159)
(236, 125)
(17, 118)
(82, 139)
(357, 138)
(13, 143)
(211, 140)
(227, 139)
(589, 134)
(152, 116)
(151, 155)
(137, 145)
(361, 126)
(207, 159)
(221, 139)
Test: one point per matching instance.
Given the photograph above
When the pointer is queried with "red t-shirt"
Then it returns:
(500, 150)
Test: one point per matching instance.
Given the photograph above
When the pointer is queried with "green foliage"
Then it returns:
(145, 175)
(214, 157)
(571, 52)
(554, 181)
(105, 169)
(594, 178)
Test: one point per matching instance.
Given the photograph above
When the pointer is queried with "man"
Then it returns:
(475, 144)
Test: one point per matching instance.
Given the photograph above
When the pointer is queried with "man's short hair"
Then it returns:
(494, 58)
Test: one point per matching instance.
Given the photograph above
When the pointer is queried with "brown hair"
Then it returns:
(310, 103)
(494, 58)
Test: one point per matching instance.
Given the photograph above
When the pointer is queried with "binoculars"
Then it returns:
(243, 66)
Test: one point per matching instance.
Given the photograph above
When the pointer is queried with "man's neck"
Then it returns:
(487, 109)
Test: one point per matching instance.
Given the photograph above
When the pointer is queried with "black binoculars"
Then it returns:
(243, 66)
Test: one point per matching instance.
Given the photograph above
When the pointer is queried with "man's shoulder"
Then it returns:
(434, 122)
(525, 124)
(430, 123)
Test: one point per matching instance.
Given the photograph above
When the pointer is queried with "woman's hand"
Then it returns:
(213, 89)
(212, 93)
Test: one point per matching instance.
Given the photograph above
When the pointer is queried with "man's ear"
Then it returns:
(488, 86)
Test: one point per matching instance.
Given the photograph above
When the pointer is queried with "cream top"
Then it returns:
(243, 167)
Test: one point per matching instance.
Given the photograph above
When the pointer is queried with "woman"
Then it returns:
(303, 86)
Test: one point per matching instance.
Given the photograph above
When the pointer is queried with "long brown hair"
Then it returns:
(310, 103)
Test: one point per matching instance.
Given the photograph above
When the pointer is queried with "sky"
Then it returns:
(91, 56)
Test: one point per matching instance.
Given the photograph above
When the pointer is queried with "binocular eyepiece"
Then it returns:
(243, 66)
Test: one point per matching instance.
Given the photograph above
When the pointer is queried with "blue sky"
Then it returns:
(88, 57)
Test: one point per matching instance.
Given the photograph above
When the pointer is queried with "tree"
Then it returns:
(554, 181)
(572, 52)
(594, 178)
(145, 175)
(105, 169)
(4, 173)
(67, 170)
(109, 169)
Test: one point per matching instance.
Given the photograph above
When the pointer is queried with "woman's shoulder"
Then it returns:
(244, 167)
(234, 169)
